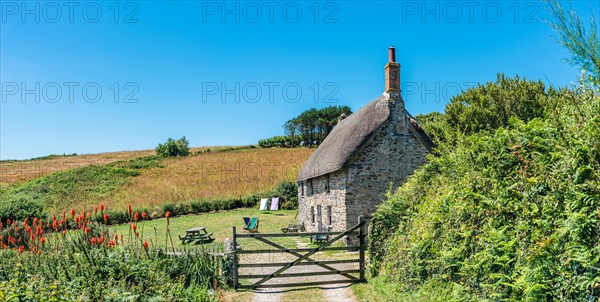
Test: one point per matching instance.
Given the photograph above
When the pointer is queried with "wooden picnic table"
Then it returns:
(197, 233)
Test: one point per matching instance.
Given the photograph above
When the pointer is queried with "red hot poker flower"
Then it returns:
(87, 230)
(144, 215)
(134, 227)
(73, 213)
(101, 207)
(105, 217)
(146, 245)
(136, 216)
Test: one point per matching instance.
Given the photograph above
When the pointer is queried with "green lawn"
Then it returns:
(218, 223)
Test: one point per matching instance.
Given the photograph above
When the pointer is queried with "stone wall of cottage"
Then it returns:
(326, 191)
(390, 156)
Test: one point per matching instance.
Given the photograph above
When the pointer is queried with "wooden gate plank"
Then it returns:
(308, 254)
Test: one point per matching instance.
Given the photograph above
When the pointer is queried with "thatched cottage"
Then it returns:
(350, 172)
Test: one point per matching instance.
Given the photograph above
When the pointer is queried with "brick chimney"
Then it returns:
(392, 74)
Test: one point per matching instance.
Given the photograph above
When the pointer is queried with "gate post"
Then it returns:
(235, 264)
(361, 247)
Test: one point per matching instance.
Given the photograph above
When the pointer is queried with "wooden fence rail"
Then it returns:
(303, 257)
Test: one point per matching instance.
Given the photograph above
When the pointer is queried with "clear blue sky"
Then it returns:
(173, 60)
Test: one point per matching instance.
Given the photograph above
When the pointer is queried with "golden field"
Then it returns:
(212, 175)
(208, 173)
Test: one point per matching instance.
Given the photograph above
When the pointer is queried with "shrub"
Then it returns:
(171, 148)
(288, 192)
(21, 206)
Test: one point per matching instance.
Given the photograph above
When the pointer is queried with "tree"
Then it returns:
(582, 42)
(171, 147)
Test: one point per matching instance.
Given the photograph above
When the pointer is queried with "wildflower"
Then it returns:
(116, 237)
(130, 210)
(146, 245)
(87, 230)
(137, 234)
(136, 216)
(144, 215)
(43, 240)
(90, 215)
(95, 210)
(93, 240)
(105, 218)
(55, 225)
(168, 214)
(7, 221)
(21, 249)
(134, 227)
(100, 239)
(101, 207)
(64, 232)
(112, 243)
(73, 213)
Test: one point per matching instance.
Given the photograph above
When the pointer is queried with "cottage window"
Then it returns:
(312, 214)
(329, 222)
(310, 186)
(302, 188)
(327, 184)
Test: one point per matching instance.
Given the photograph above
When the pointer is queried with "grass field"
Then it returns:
(218, 223)
(210, 175)
(118, 179)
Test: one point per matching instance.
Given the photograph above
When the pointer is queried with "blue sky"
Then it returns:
(97, 77)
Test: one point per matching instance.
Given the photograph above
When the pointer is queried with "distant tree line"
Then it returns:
(309, 128)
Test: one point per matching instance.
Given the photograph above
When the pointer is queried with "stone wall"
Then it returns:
(316, 193)
(390, 156)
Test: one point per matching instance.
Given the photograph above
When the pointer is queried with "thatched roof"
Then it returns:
(350, 134)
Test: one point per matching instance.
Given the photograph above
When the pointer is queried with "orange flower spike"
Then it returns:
(93, 240)
(146, 245)
(101, 207)
(43, 240)
(137, 234)
(21, 249)
(144, 215)
(136, 216)
(64, 232)
(89, 215)
(87, 230)
(130, 210)
(73, 213)
(134, 227)
(106, 218)
(95, 210)
(100, 239)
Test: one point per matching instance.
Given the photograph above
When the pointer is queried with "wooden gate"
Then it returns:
(303, 257)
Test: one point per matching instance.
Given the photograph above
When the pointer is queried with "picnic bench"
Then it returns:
(197, 233)
(294, 228)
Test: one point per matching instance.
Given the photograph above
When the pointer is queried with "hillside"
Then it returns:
(139, 178)
(510, 214)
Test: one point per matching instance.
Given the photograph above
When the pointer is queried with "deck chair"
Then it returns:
(253, 226)
(275, 204)
(246, 221)
(263, 204)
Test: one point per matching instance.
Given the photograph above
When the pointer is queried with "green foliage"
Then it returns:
(486, 108)
(100, 274)
(309, 128)
(288, 193)
(510, 214)
(19, 207)
(583, 42)
(172, 148)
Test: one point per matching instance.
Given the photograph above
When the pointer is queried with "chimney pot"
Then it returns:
(392, 54)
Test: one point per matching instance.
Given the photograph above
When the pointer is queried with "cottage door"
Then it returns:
(319, 219)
